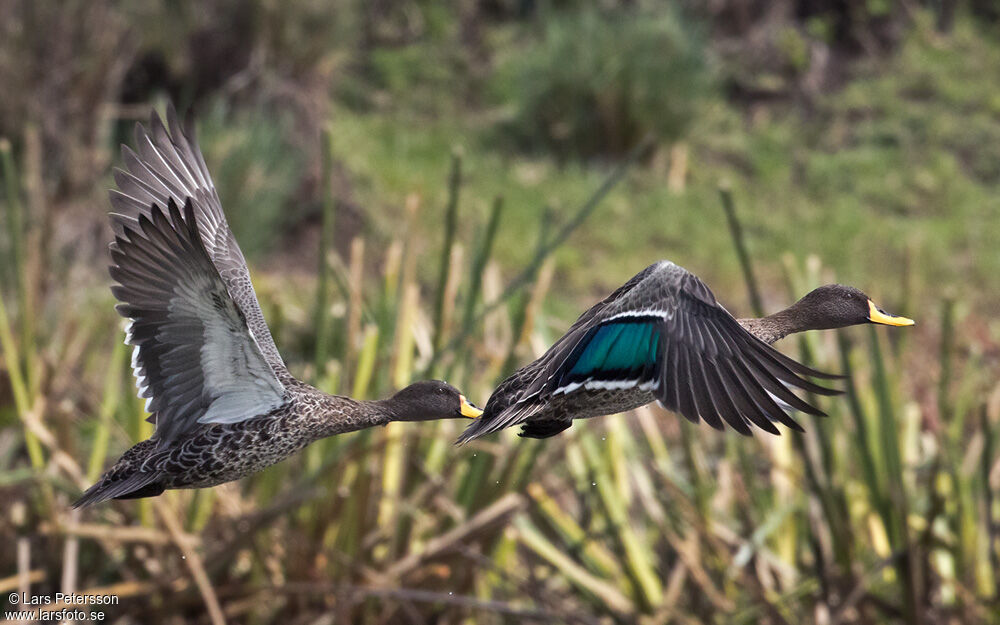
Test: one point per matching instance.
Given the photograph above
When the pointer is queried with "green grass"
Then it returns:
(879, 178)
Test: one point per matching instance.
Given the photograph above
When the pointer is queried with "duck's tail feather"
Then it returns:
(491, 422)
(139, 484)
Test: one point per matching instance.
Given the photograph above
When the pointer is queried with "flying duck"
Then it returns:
(662, 336)
(223, 402)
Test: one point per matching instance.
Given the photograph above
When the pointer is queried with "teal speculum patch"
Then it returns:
(618, 349)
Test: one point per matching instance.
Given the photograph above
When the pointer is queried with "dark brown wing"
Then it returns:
(168, 165)
(665, 335)
(194, 358)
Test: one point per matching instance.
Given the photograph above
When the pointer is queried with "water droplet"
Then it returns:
(593, 483)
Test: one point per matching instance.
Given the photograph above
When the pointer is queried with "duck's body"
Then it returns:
(222, 452)
(223, 402)
(555, 415)
(663, 337)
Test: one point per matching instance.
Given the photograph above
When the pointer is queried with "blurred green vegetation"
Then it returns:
(859, 145)
(872, 178)
(594, 84)
(261, 188)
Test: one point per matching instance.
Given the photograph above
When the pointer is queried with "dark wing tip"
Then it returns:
(489, 422)
(823, 375)
(474, 430)
(822, 390)
(176, 130)
(155, 121)
(727, 375)
(793, 424)
(139, 132)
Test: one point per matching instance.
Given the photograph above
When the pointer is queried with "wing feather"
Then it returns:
(707, 365)
(166, 165)
(194, 358)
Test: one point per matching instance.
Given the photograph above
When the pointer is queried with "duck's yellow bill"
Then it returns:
(467, 409)
(875, 315)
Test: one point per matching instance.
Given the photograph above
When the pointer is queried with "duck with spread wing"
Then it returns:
(223, 402)
(662, 336)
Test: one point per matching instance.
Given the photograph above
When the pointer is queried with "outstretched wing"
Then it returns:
(194, 358)
(169, 166)
(670, 337)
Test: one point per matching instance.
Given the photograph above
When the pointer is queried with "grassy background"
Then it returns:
(572, 144)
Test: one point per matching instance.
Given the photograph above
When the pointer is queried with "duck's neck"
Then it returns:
(771, 328)
(338, 415)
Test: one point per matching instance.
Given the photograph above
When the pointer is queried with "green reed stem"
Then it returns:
(992, 519)
(15, 227)
(16, 265)
(200, 510)
(736, 230)
(24, 402)
(482, 258)
(945, 358)
(899, 534)
(322, 313)
(756, 303)
(109, 404)
(366, 363)
(450, 225)
(19, 388)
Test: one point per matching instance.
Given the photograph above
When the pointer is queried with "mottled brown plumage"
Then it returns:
(223, 402)
(221, 452)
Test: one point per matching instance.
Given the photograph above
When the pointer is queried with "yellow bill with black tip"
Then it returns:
(467, 409)
(876, 315)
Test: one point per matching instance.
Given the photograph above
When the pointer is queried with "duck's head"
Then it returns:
(430, 400)
(838, 306)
